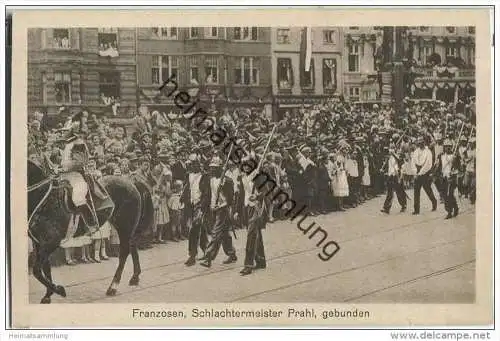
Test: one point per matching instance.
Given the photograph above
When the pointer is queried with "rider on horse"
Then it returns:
(88, 195)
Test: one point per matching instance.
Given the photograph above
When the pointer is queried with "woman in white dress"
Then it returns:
(366, 178)
(340, 185)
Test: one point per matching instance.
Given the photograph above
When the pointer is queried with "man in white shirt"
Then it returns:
(394, 182)
(423, 161)
(448, 168)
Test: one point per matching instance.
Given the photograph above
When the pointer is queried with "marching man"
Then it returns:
(449, 164)
(221, 197)
(394, 182)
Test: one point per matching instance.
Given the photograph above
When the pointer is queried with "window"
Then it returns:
(354, 93)
(194, 32)
(471, 59)
(61, 38)
(108, 42)
(329, 74)
(472, 29)
(44, 88)
(283, 36)
(451, 52)
(163, 68)
(425, 53)
(307, 78)
(211, 32)
(211, 70)
(329, 37)
(194, 73)
(247, 71)
(424, 28)
(62, 87)
(450, 29)
(285, 73)
(354, 27)
(109, 86)
(245, 33)
(354, 58)
(165, 32)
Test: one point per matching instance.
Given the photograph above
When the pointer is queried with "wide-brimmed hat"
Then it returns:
(215, 162)
(447, 143)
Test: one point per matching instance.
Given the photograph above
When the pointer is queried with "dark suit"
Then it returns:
(254, 251)
(222, 226)
(449, 184)
(196, 217)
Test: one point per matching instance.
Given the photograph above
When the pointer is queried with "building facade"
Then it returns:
(361, 51)
(219, 66)
(439, 62)
(70, 69)
(443, 62)
(292, 85)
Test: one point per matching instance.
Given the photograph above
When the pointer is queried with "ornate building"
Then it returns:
(70, 69)
(438, 62)
(293, 87)
(218, 66)
(442, 62)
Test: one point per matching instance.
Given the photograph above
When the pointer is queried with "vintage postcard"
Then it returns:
(252, 167)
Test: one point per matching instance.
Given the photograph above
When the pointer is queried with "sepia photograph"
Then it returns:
(272, 164)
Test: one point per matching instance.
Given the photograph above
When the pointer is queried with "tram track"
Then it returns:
(379, 231)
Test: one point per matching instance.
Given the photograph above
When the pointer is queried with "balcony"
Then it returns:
(428, 73)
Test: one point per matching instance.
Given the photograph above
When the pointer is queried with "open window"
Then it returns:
(109, 87)
(165, 32)
(285, 73)
(108, 42)
(61, 38)
(211, 70)
(329, 74)
(62, 87)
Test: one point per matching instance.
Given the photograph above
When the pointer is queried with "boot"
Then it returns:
(230, 259)
(449, 215)
(207, 263)
(246, 271)
(191, 261)
(89, 218)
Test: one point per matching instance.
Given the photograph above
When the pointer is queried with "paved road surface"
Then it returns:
(383, 259)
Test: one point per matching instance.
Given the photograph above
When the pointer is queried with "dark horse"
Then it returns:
(50, 210)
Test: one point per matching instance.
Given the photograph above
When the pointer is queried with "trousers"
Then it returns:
(393, 185)
(198, 235)
(424, 181)
(221, 235)
(450, 201)
(254, 251)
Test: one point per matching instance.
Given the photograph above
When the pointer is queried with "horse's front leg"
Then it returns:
(42, 260)
(48, 274)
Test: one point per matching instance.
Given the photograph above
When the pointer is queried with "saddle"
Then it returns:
(86, 190)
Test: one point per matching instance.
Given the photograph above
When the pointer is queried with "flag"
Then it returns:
(306, 49)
